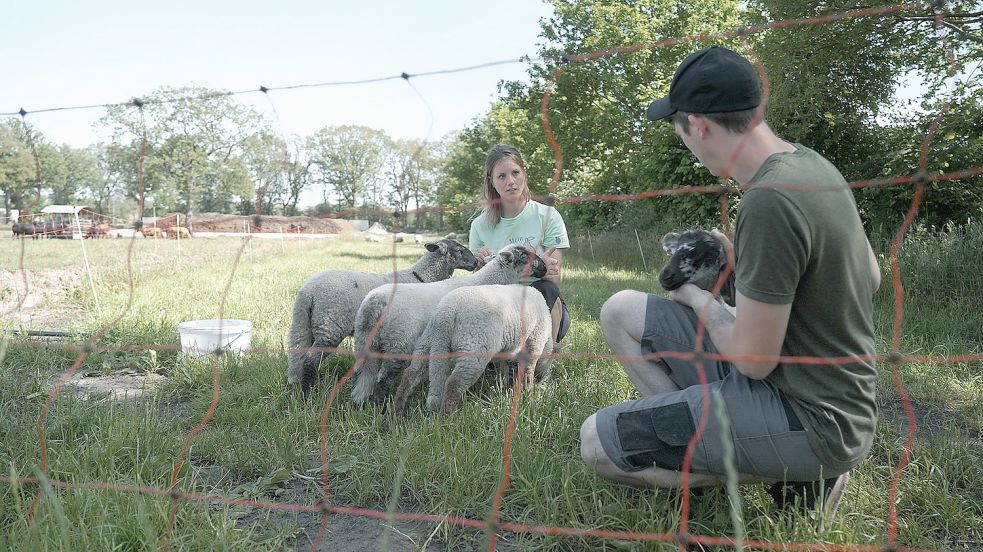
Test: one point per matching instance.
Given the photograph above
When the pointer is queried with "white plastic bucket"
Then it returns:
(203, 337)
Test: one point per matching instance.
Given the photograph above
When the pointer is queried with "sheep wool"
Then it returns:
(483, 322)
(325, 307)
(402, 311)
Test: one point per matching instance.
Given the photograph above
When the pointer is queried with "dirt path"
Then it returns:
(39, 300)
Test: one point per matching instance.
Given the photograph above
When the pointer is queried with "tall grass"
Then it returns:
(262, 442)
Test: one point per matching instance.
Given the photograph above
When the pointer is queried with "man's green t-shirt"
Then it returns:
(799, 240)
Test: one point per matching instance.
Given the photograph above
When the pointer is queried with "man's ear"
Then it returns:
(699, 125)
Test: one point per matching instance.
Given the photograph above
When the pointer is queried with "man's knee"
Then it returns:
(614, 309)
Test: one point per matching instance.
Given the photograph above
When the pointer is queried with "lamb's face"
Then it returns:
(458, 256)
(697, 258)
(524, 261)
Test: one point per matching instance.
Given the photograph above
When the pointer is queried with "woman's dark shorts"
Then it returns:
(551, 292)
(767, 437)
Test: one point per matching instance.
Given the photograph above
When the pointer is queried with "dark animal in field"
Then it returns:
(22, 229)
(697, 258)
(25, 229)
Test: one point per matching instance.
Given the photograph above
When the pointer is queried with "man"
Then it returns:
(805, 277)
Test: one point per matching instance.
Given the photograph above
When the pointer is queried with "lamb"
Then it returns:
(325, 307)
(479, 321)
(696, 258)
(404, 311)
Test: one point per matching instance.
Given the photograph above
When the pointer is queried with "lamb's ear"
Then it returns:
(670, 242)
(506, 255)
(439, 246)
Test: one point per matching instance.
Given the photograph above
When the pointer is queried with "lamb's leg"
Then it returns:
(391, 369)
(311, 362)
(412, 378)
(466, 372)
(365, 378)
(301, 336)
(438, 375)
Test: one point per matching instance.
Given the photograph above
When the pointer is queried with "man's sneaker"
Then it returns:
(804, 495)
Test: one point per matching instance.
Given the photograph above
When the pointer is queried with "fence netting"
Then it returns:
(684, 536)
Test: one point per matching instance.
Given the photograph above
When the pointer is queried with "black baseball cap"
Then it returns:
(711, 80)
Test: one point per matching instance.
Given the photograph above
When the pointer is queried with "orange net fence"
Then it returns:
(684, 537)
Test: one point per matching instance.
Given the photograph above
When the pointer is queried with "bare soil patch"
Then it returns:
(218, 222)
(118, 386)
(38, 299)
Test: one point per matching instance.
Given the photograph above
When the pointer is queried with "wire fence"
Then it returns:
(683, 537)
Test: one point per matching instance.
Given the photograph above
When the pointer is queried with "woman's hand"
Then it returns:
(480, 255)
(553, 260)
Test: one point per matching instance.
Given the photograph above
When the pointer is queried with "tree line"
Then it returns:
(195, 150)
(832, 87)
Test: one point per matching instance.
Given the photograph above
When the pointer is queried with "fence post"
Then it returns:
(642, 253)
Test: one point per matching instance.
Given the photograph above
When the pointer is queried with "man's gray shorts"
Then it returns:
(768, 438)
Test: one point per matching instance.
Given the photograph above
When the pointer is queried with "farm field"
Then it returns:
(116, 432)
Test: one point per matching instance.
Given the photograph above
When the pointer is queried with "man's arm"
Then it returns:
(758, 328)
(875, 268)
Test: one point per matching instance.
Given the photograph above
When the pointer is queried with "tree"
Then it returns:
(409, 165)
(18, 169)
(297, 177)
(347, 160)
(71, 174)
(193, 158)
(266, 160)
(834, 88)
(596, 111)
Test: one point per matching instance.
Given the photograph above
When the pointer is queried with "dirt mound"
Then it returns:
(218, 222)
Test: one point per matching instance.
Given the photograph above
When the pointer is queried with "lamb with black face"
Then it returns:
(697, 258)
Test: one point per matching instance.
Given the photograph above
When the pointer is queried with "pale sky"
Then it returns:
(61, 53)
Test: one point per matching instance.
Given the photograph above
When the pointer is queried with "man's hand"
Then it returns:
(691, 296)
(728, 245)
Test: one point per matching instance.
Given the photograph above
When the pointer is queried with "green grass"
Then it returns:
(263, 443)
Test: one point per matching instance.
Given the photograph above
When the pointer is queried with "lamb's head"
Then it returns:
(456, 255)
(519, 259)
(696, 258)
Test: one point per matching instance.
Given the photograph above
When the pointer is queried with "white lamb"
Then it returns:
(325, 307)
(402, 311)
(481, 322)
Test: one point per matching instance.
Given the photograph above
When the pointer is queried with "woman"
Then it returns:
(511, 216)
